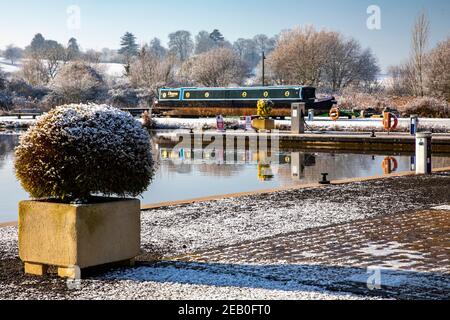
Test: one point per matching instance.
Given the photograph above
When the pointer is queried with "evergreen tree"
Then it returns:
(73, 50)
(37, 44)
(217, 36)
(128, 47)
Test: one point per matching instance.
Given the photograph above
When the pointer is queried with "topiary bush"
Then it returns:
(78, 151)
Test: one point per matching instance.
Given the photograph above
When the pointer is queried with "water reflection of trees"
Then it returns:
(339, 166)
(7, 145)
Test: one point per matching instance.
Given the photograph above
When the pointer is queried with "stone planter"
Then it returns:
(263, 124)
(73, 237)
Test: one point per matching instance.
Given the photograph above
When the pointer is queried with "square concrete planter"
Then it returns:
(73, 237)
(263, 124)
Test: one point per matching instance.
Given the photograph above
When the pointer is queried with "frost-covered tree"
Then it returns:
(203, 42)
(13, 53)
(181, 44)
(78, 82)
(248, 52)
(53, 54)
(264, 43)
(347, 63)
(110, 56)
(92, 56)
(34, 71)
(320, 57)
(438, 70)
(216, 68)
(151, 72)
(157, 48)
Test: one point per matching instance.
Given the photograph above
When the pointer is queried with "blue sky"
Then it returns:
(104, 21)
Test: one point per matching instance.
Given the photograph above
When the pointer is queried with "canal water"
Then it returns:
(216, 172)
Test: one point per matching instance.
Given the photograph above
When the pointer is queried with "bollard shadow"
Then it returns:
(290, 278)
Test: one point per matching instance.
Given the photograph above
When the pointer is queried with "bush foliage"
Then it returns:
(76, 151)
(426, 107)
(264, 108)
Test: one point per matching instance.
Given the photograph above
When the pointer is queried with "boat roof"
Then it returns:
(237, 88)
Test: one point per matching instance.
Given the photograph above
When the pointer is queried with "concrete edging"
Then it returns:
(267, 191)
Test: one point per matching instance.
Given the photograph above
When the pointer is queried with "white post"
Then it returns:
(297, 118)
(423, 153)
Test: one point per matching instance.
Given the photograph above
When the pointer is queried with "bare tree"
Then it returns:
(420, 36)
(13, 53)
(438, 70)
(299, 57)
(53, 56)
(93, 57)
(181, 44)
(78, 82)
(248, 52)
(34, 71)
(157, 48)
(320, 57)
(216, 68)
(150, 71)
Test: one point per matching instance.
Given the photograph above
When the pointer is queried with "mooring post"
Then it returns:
(298, 111)
(311, 115)
(413, 126)
(423, 153)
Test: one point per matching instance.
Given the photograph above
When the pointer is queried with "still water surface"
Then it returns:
(179, 178)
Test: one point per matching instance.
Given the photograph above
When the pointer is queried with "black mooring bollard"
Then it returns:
(325, 179)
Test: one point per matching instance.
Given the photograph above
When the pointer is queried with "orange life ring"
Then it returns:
(335, 113)
(390, 121)
(389, 165)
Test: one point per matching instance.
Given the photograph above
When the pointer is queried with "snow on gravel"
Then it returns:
(187, 228)
(183, 229)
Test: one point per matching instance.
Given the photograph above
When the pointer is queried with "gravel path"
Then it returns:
(198, 226)
(170, 232)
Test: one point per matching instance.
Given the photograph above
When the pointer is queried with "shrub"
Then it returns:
(146, 120)
(352, 99)
(123, 97)
(5, 101)
(76, 151)
(264, 108)
(77, 82)
(2, 80)
(426, 107)
(21, 88)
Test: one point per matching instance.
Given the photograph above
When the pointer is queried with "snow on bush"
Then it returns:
(351, 99)
(78, 82)
(426, 107)
(76, 151)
